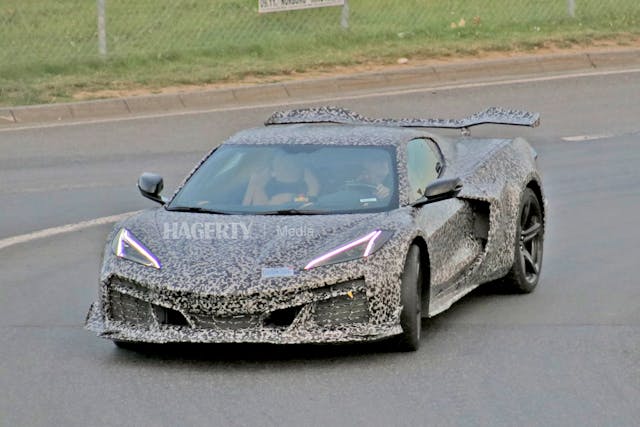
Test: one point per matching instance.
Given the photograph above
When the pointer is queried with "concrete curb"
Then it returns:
(321, 88)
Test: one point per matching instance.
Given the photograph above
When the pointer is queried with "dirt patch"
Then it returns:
(372, 66)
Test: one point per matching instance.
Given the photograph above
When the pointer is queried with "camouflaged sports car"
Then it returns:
(326, 226)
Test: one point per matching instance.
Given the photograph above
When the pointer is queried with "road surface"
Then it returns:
(568, 354)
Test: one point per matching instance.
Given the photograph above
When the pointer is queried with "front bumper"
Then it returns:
(338, 313)
(173, 334)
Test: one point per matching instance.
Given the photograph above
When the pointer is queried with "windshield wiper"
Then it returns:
(292, 212)
(196, 209)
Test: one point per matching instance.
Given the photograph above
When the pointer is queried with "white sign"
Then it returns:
(265, 6)
(268, 273)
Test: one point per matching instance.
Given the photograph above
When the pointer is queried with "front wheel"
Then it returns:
(411, 300)
(525, 272)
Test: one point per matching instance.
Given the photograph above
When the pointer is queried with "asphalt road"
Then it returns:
(568, 354)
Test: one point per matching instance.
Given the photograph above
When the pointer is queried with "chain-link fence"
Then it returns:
(53, 33)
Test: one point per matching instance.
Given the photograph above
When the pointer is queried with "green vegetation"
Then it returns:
(48, 49)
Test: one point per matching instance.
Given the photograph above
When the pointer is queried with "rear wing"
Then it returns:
(493, 115)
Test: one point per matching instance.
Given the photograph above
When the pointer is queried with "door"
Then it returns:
(448, 225)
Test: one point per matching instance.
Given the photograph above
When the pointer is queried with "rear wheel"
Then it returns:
(525, 272)
(411, 300)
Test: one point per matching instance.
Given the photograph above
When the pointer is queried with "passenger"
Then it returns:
(285, 182)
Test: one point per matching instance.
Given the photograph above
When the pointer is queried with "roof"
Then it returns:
(332, 134)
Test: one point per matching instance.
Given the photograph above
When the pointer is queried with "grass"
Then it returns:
(48, 49)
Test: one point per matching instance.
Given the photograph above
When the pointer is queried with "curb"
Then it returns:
(320, 88)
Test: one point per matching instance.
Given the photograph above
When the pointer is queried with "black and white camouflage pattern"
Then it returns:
(222, 279)
(492, 115)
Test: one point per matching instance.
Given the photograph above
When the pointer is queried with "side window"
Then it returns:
(423, 165)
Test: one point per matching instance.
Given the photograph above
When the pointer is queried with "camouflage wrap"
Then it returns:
(217, 287)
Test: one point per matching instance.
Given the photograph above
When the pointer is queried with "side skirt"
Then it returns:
(446, 300)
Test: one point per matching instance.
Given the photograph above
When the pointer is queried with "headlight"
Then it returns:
(126, 246)
(359, 248)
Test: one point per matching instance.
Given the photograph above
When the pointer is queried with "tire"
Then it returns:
(525, 272)
(411, 300)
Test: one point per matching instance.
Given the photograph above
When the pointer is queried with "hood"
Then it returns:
(218, 251)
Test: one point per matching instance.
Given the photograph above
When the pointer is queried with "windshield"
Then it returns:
(292, 179)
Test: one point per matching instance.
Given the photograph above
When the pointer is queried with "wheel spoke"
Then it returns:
(525, 213)
(529, 260)
(531, 232)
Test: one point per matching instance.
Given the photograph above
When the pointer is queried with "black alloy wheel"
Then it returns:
(525, 273)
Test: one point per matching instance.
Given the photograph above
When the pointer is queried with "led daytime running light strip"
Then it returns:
(370, 238)
(367, 251)
(131, 240)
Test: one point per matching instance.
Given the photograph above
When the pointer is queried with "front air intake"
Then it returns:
(282, 318)
(128, 309)
(168, 316)
(342, 310)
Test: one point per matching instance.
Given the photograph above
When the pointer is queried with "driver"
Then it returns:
(285, 182)
(375, 173)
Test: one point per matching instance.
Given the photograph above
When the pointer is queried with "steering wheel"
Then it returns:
(361, 186)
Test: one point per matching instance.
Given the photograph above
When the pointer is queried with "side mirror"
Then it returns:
(150, 186)
(441, 189)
